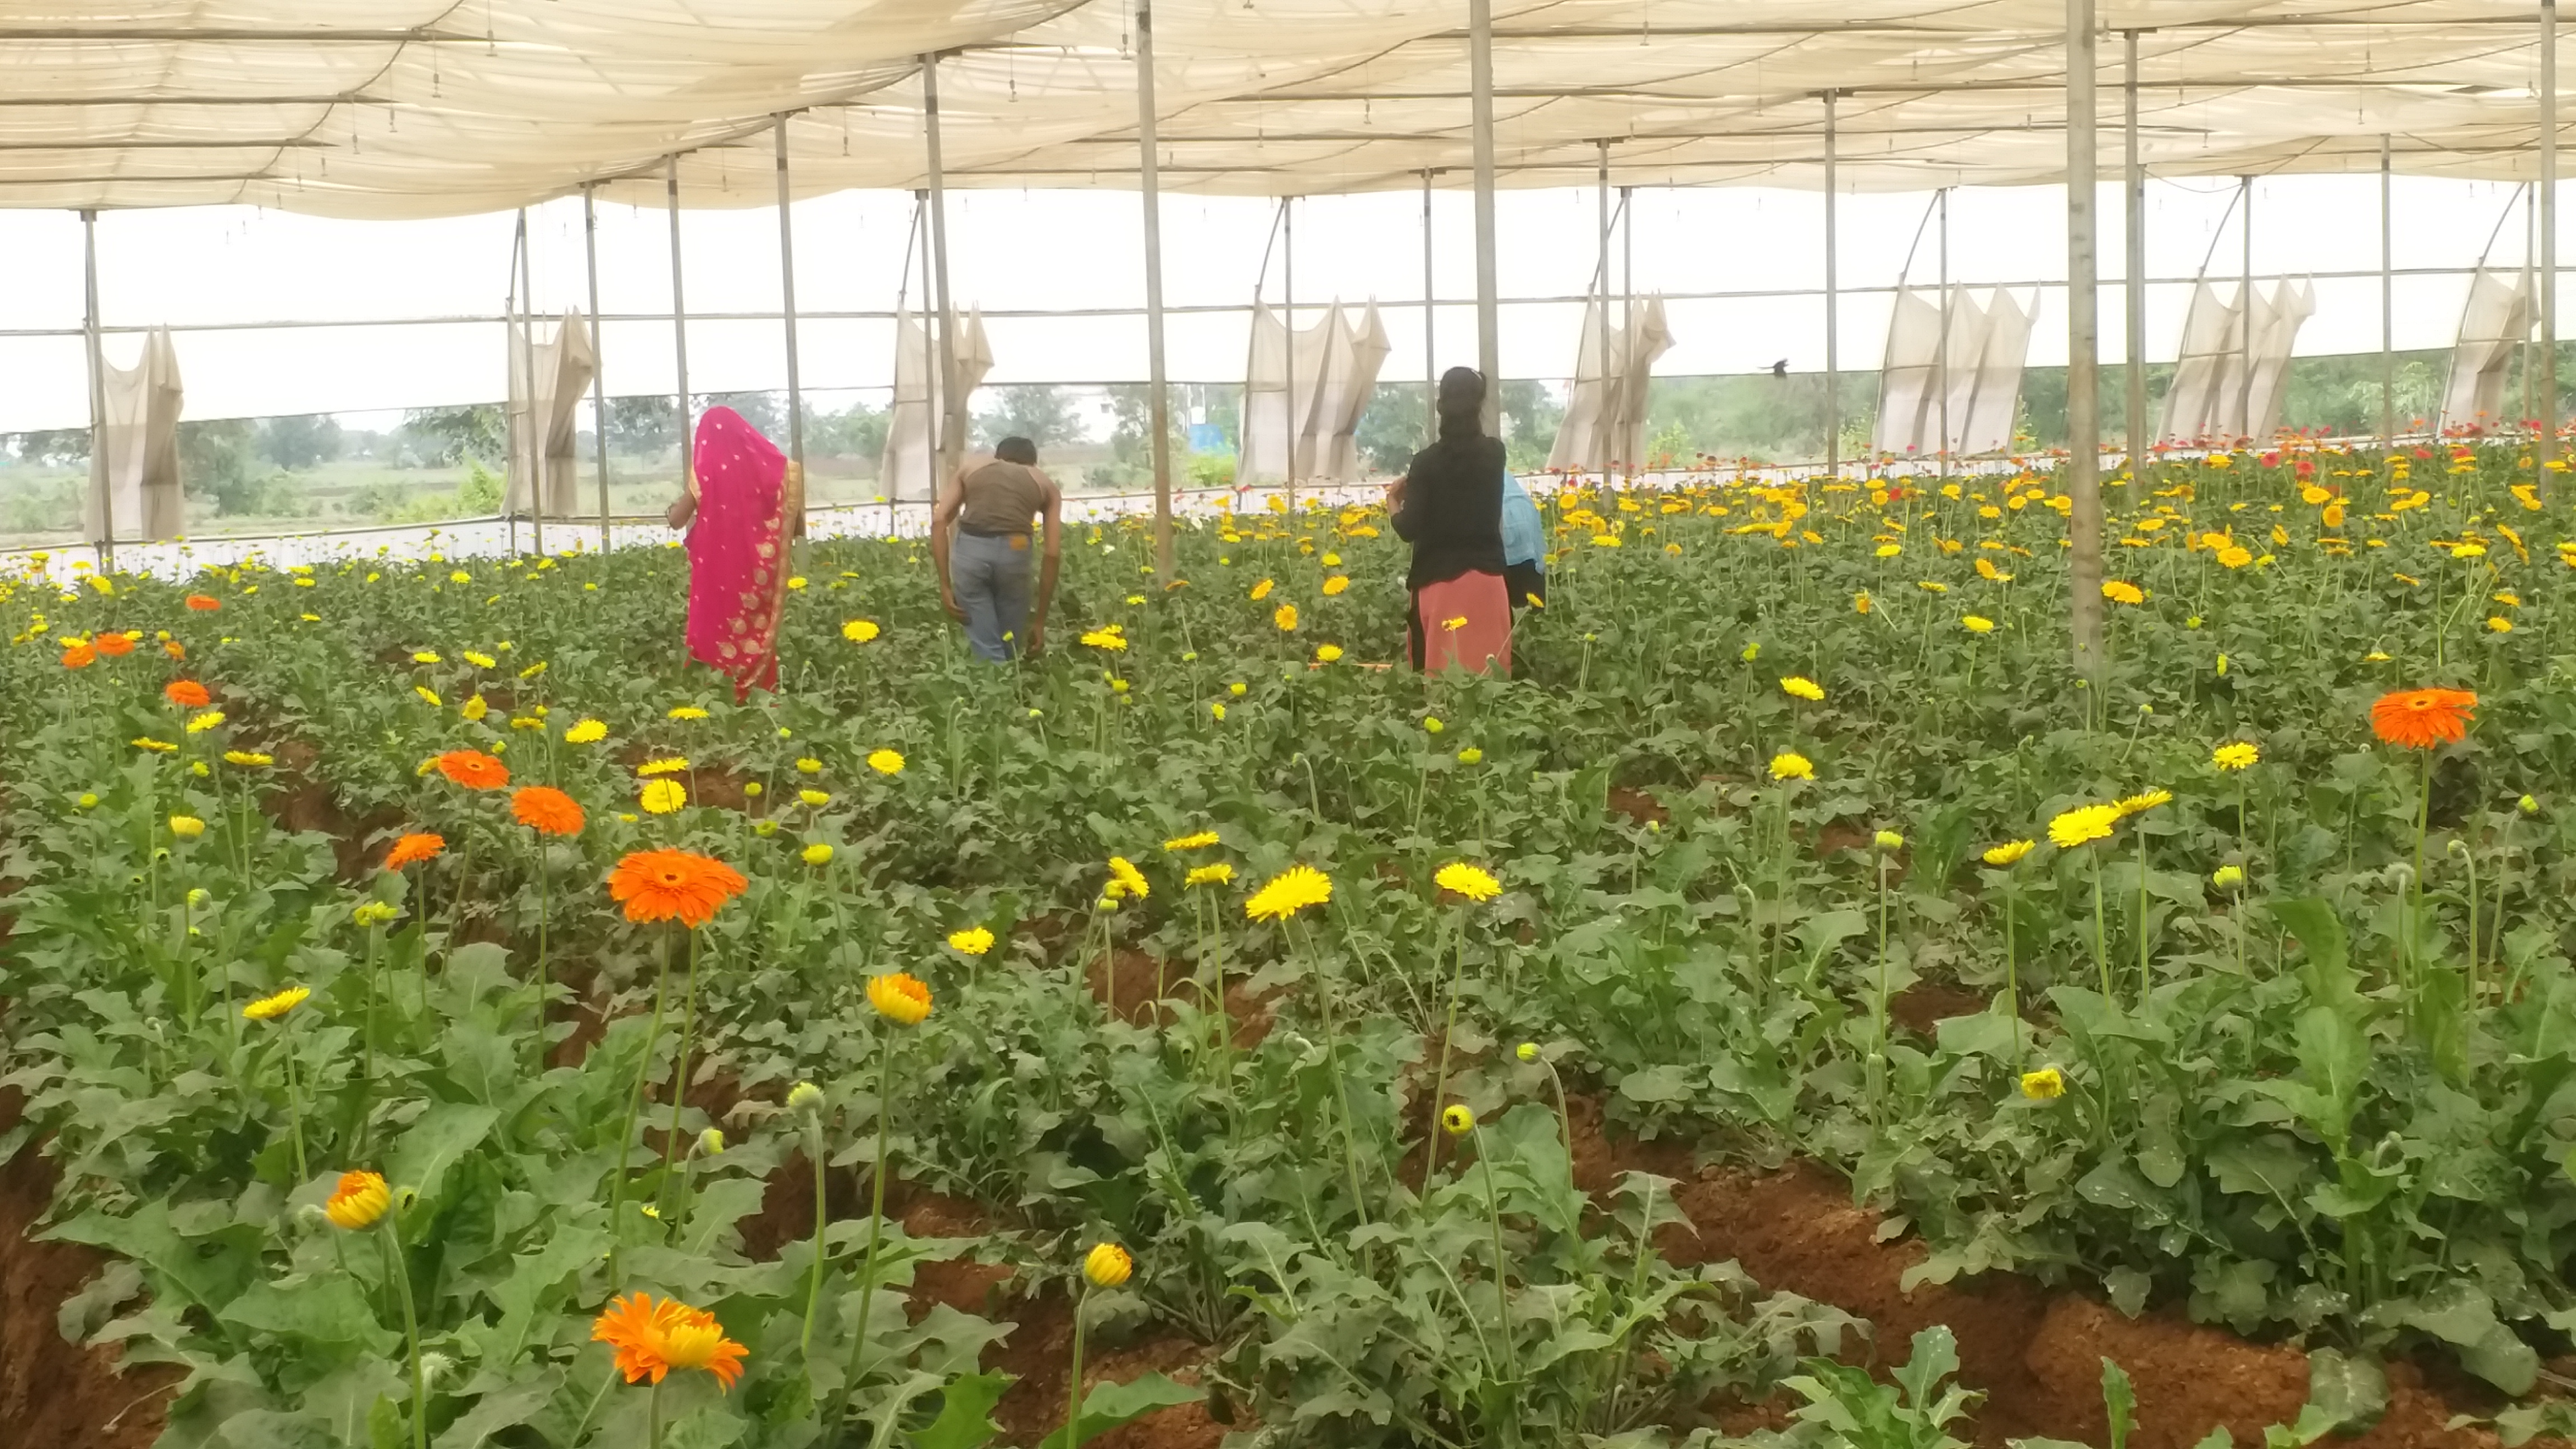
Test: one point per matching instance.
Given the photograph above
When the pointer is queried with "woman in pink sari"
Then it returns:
(747, 502)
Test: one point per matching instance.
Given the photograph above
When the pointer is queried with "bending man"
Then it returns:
(984, 570)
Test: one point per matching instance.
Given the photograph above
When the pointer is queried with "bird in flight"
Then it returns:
(1780, 368)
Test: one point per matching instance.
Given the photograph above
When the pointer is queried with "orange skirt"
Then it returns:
(1463, 623)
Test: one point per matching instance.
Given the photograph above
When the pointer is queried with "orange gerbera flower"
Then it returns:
(474, 769)
(414, 848)
(114, 646)
(659, 885)
(203, 603)
(654, 1336)
(2420, 719)
(547, 810)
(79, 656)
(174, 648)
(187, 694)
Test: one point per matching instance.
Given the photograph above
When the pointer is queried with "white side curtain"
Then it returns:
(905, 469)
(2235, 365)
(1276, 445)
(134, 464)
(1352, 360)
(544, 441)
(2210, 343)
(2003, 347)
(2496, 320)
(1605, 413)
(1988, 344)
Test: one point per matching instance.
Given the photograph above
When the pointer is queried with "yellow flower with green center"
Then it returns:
(2236, 756)
(973, 941)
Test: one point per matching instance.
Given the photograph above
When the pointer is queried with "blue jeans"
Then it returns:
(991, 580)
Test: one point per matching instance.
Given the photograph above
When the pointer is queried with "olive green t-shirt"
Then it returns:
(1001, 498)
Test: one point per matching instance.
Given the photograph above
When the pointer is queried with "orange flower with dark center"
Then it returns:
(187, 694)
(662, 885)
(654, 1336)
(474, 769)
(547, 810)
(413, 849)
(2420, 719)
(79, 656)
(114, 646)
(203, 603)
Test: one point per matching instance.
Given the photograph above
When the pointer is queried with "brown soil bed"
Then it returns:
(55, 1394)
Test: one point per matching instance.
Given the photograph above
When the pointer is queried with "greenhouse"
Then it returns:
(1284, 726)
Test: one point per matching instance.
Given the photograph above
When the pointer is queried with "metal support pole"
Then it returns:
(2083, 351)
(949, 436)
(680, 329)
(598, 353)
(1627, 307)
(1430, 329)
(1288, 322)
(1941, 360)
(1602, 390)
(787, 301)
(2136, 279)
(918, 244)
(2548, 407)
(1489, 325)
(2245, 318)
(103, 535)
(1833, 312)
(2387, 311)
(1158, 409)
(531, 436)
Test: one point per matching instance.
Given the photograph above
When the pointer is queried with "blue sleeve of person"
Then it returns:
(1524, 537)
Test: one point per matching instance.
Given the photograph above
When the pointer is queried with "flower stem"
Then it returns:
(399, 1271)
(2101, 956)
(680, 1072)
(2012, 975)
(2145, 984)
(876, 1212)
(1440, 1079)
(814, 1289)
(1073, 1376)
(294, 1099)
(1502, 1265)
(626, 1134)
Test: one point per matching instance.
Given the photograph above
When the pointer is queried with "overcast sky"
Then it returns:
(1067, 250)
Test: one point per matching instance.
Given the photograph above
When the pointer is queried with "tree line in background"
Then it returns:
(1098, 437)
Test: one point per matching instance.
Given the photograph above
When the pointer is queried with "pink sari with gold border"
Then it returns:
(738, 550)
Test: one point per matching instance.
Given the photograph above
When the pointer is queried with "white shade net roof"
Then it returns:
(395, 108)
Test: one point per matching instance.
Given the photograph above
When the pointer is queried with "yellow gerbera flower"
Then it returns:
(973, 941)
(1124, 875)
(2008, 852)
(1201, 841)
(2082, 824)
(1468, 881)
(1289, 892)
(1790, 765)
(885, 762)
(1802, 687)
(662, 796)
(270, 1008)
(2236, 756)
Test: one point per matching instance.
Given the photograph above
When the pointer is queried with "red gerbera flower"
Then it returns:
(2420, 719)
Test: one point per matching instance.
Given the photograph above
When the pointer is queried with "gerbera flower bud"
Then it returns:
(1457, 1120)
(359, 1200)
(1107, 1265)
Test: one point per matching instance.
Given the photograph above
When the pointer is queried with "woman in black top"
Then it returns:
(1449, 506)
